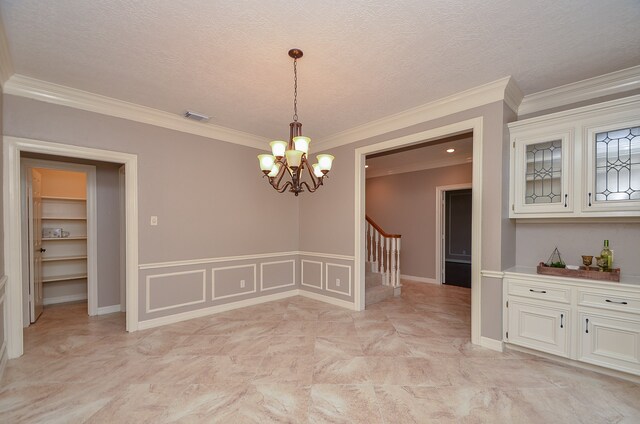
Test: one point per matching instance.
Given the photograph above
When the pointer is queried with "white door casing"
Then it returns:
(474, 125)
(12, 147)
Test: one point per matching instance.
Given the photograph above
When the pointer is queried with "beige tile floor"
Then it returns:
(405, 360)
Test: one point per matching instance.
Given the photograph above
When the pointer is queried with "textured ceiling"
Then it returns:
(364, 59)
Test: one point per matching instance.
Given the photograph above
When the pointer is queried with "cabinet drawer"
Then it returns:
(540, 291)
(611, 300)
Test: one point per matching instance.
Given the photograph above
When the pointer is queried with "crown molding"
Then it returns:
(414, 167)
(592, 88)
(20, 85)
(6, 65)
(504, 89)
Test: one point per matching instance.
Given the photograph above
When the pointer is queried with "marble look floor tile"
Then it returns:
(299, 360)
(285, 369)
(332, 370)
(337, 347)
(344, 404)
(391, 345)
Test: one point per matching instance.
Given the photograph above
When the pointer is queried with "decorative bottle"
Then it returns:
(606, 256)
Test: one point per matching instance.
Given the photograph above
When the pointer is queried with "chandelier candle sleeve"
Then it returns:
(288, 168)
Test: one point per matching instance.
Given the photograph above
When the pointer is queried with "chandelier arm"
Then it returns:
(317, 181)
(275, 182)
(282, 190)
(309, 189)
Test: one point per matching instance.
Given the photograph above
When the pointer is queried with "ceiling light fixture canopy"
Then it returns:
(289, 158)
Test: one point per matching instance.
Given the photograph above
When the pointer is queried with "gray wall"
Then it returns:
(327, 218)
(405, 204)
(208, 195)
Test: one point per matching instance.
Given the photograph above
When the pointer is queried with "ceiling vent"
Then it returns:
(196, 116)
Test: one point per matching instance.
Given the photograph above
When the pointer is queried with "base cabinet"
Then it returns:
(610, 341)
(539, 326)
(593, 322)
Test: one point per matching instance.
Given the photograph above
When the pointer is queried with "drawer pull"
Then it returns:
(537, 291)
(565, 200)
(589, 199)
(561, 320)
(587, 327)
(617, 303)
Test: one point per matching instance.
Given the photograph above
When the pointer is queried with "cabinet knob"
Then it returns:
(42, 250)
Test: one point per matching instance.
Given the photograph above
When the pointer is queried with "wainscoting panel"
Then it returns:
(277, 274)
(320, 274)
(179, 289)
(175, 289)
(338, 278)
(232, 281)
(311, 272)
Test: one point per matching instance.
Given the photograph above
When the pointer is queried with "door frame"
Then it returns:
(12, 147)
(92, 222)
(440, 224)
(473, 125)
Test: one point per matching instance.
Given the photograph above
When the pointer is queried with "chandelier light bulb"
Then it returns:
(325, 162)
(266, 162)
(294, 158)
(302, 143)
(274, 170)
(316, 170)
(278, 147)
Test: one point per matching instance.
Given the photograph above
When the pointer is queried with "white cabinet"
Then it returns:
(583, 162)
(596, 322)
(539, 325)
(611, 341)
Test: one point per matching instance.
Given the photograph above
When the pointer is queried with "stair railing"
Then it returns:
(383, 251)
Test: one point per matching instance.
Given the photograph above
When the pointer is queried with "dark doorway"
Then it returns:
(458, 238)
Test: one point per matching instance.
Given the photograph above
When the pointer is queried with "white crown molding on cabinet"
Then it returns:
(592, 88)
(20, 85)
(504, 89)
(6, 65)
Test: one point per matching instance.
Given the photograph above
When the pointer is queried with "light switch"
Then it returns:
(337, 282)
(242, 284)
(154, 220)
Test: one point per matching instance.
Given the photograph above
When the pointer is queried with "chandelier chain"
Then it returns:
(295, 90)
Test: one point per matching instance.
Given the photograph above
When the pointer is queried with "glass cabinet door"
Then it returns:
(542, 174)
(613, 170)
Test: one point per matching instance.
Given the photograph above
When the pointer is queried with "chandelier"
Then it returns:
(290, 159)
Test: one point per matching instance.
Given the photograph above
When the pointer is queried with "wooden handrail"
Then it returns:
(380, 230)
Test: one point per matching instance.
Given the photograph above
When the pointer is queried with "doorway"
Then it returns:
(59, 234)
(13, 148)
(457, 238)
(474, 126)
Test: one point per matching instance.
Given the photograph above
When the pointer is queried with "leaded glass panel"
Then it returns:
(543, 173)
(618, 165)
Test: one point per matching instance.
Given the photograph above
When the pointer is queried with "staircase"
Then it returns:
(382, 270)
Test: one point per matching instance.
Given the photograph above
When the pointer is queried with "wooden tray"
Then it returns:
(592, 273)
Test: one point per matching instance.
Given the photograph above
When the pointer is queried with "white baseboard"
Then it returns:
(419, 279)
(109, 309)
(3, 358)
(64, 299)
(327, 299)
(492, 344)
(198, 313)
